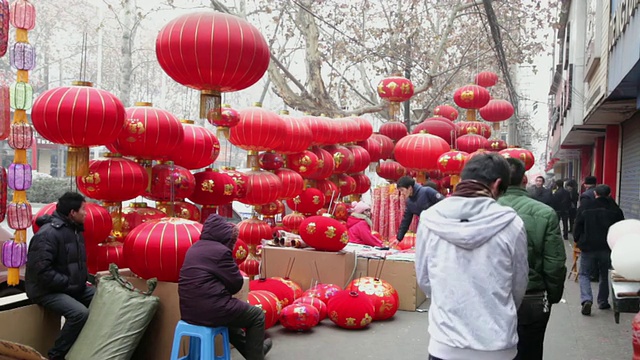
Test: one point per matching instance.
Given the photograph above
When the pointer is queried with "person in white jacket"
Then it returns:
(471, 260)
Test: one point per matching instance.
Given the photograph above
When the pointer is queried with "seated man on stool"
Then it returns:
(208, 279)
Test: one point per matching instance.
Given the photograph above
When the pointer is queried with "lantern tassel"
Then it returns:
(77, 161)
(421, 177)
(222, 131)
(210, 108)
(471, 114)
(252, 160)
(20, 236)
(13, 276)
(19, 196)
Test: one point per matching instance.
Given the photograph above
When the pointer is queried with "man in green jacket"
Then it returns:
(547, 259)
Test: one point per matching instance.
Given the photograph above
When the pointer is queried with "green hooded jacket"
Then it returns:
(547, 256)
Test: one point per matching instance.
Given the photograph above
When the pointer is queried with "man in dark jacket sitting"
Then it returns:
(592, 225)
(208, 279)
(419, 198)
(56, 275)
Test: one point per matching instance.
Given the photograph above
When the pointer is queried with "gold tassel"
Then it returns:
(77, 161)
(471, 114)
(22, 76)
(210, 102)
(20, 236)
(22, 35)
(253, 161)
(20, 117)
(148, 167)
(222, 131)
(421, 178)
(20, 156)
(496, 127)
(394, 109)
(13, 276)
(19, 196)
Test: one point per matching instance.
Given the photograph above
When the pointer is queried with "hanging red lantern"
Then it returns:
(270, 209)
(319, 127)
(240, 179)
(350, 130)
(420, 151)
(324, 233)
(212, 52)
(213, 188)
(373, 147)
(341, 211)
(268, 302)
(240, 251)
(299, 317)
(497, 110)
(386, 145)
(316, 303)
(253, 231)
(361, 158)
(251, 265)
(257, 130)
(157, 248)
(452, 162)
(446, 111)
(292, 221)
(383, 296)
(471, 97)
(391, 170)
(395, 89)
(437, 126)
(292, 183)
(473, 127)
(269, 160)
(304, 163)
(136, 214)
(113, 178)
(363, 183)
(199, 147)
(282, 291)
(228, 118)
(343, 159)
(346, 184)
(471, 142)
(497, 144)
(149, 133)
(329, 189)
(523, 155)
(262, 187)
(170, 182)
(350, 310)
(108, 253)
(486, 79)
(78, 117)
(179, 209)
(325, 165)
(365, 129)
(308, 202)
(297, 136)
(394, 130)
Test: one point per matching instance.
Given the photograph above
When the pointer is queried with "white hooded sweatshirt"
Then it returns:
(471, 260)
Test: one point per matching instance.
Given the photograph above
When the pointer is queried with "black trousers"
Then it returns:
(249, 342)
(563, 216)
(533, 317)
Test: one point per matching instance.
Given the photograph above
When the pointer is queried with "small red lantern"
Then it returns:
(350, 310)
(328, 188)
(325, 165)
(253, 231)
(199, 147)
(240, 251)
(299, 317)
(471, 142)
(292, 183)
(497, 110)
(452, 162)
(497, 145)
(524, 155)
(486, 79)
(363, 183)
(270, 209)
(391, 170)
(113, 178)
(446, 111)
(157, 248)
(395, 130)
(316, 303)
(343, 158)
(383, 296)
(229, 118)
(213, 188)
(179, 209)
(297, 136)
(262, 187)
(395, 88)
(137, 213)
(170, 182)
(471, 97)
(346, 184)
(365, 129)
(269, 303)
(409, 241)
(269, 160)
(473, 127)
(361, 158)
(304, 163)
(324, 233)
(438, 126)
(250, 265)
(107, 253)
(420, 151)
(240, 180)
(292, 221)
(308, 202)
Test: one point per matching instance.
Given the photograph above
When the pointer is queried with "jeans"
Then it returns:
(250, 341)
(591, 261)
(533, 316)
(563, 216)
(75, 311)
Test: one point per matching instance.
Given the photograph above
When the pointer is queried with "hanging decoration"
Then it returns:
(486, 79)
(395, 89)
(438, 126)
(199, 147)
(446, 111)
(452, 163)
(524, 155)
(229, 118)
(257, 130)
(471, 97)
(420, 152)
(4, 26)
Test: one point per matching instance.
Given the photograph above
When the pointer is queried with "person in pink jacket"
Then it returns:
(359, 225)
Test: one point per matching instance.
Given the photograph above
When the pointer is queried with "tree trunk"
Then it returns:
(128, 19)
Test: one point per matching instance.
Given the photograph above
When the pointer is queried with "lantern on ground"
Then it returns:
(299, 317)
(324, 233)
(316, 303)
(350, 310)
(323, 292)
(383, 296)
(269, 303)
(285, 294)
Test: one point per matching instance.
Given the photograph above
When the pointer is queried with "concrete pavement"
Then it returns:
(570, 335)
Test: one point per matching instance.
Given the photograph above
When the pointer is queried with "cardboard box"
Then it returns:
(30, 324)
(402, 276)
(332, 267)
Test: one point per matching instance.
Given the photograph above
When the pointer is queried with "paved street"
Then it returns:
(570, 335)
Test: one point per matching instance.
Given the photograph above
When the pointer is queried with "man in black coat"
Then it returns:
(592, 225)
(419, 198)
(56, 274)
(208, 279)
(589, 192)
(540, 193)
(561, 203)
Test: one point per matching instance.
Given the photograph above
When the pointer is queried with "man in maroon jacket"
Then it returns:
(208, 279)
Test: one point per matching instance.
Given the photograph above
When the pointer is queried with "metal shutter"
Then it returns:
(630, 168)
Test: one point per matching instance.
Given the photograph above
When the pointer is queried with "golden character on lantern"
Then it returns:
(228, 189)
(208, 185)
(366, 320)
(344, 238)
(311, 228)
(316, 200)
(467, 96)
(351, 321)
(331, 232)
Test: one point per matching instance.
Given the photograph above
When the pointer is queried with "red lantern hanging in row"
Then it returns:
(297, 136)
(136, 214)
(253, 231)
(452, 163)
(108, 253)
(326, 164)
(497, 110)
(365, 129)
(395, 130)
(179, 209)
(170, 182)
(199, 147)
(304, 163)
(497, 144)
(438, 126)
(473, 127)
(257, 130)
(308, 201)
(486, 79)
(113, 179)
(262, 187)
(420, 152)
(471, 142)
(446, 111)
(524, 155)
(213, 188)
(292, 221)
(4, 28)
(270, 160)
(228, 118)
(395, 89)
(471, 97)
(292, 183)
(391, 170)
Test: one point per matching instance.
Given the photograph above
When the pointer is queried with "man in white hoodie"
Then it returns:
(471, 260)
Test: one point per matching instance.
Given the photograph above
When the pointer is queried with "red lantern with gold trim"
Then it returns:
(373, 147)
(113, 178)
(262, 187)
(386, 144)
(270, 160)
(136, 214)
(363, 183)
(292, 183)
(258, 130)
(365, 129)
(253, 231)
(523, 155)
(228, 118)
(486, 79)
(497, 144)
(473, 127)
(213, 188)
(497, 110)
(346, 184)
(110, 252)
(446, 111)
(323, 292)
(452, 162)
(343, 158)
(438, 126)
(269, 303)
(292, 221)
(304, 163)
(325, 164)
(361, 158)
(284, 293)
(316, 303)
(308, 202)
(395, 89)
(199, 147)
(170, 182)
(471, 142)
(179, 209)
(383, 296)
(420, 151)
(394, 130)
(324, 233)
(299, 317)
(319, 127)
(240, 251)
(391, 170)
(270, 209)
(251, 265)
(297, 136)
(341, 211)
(240, 179)
(350, 310)
(471, 97)
(328, 188)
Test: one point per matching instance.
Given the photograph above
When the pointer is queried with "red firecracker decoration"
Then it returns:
(240, 251)
(304, 163)
(316, 303)
(524, 155)
(497, 110)
(299, 317)
(324, 233)
(350, 310)
(486, 79)
(383, 296)
(269, 303)
(308, 202)
(446, 111)
(113, 178)
(395, 130)
(199, 147)
(391, 170)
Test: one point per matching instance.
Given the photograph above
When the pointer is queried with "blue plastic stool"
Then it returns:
(201, 342)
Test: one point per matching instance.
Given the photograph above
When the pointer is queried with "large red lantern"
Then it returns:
(324, 233)
(308, 202)
(420, 151)
(316, 303)
(257, 130)
(285, 294)
(213, 188)
(486, 79)
(346, 184)
(199, 147)
(270, 160)
(471, 142)
(523, 155)
(113, 179)
(179, 209)
(149, 133)
(253, 231)
(446, 111)
(395, 130)
(323, 292)
(363, 183)
(365, 129)
(391, 170)
(383, 296)
(299, 317)
(137, 213)
(304, 163)
(78, 117)
(350, 310)
(325, 165)
(471, 97)
(343, 158)
(452, 162)
(386, 145)
(157, 248)
(212, 52)
(319, 127)
(108, 253)
(497, 110)
(268, 302)
(292, 183)
(438, 126)
(497, 145)
(361, 158)
(292, 221)
(170, 182)
(395, 89)
(262, 187)
(297, 136)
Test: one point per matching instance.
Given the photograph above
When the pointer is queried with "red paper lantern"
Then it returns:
(20, 136)
(346, 184)
(179, 209)
(240, 251)
(292, 183)
(304, 163)
(149, 133)
(409, 241)
(282, 291)
(323, 292)
(446, 111)
(296, 138)
(438, 126)
(170, 182)
(394, 130)
(79, 117)
(373, 147)
(308, 202)
(253, 231)
(343, 159)
(137, 213)
(258, 130)
(325, 166)
(383, 296)
(292, 221)
(420, 151)
(497, 145)
(23, 15)
(199, 147)
(212, 51)
(240, 179)
(213, 188)
(113, 179)
(5, 17)
(269, 160)
(452, 162)
(299, 317)
(497, 110)
(473, 127)
(228, 118)
(365, 129)
(324, 233)
(471, 142)
(386, 145)
(361, 158)
(268, 302)
(363, 183)
(486, 79)
(471, 97)
(391, 170)
(350, 130)
(319, 127)
(157, 248)
(316, 303)
(250, 265)
(350, 310)
(270, 209)
(395, 89)
(328, 188)
(262, 187)
(295, 287)
(107, 253)
(523, 155)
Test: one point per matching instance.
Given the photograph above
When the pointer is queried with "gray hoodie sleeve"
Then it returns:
(520, 265)
(422, 272)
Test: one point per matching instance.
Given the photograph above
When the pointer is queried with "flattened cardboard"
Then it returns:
(402, 276)
(333, 267)
(30, 325)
